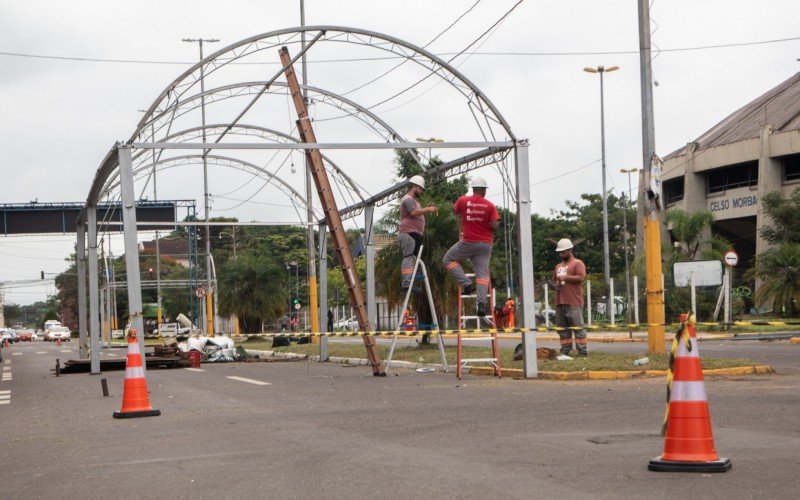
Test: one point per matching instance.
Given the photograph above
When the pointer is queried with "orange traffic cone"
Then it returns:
(688, 441)
(135, 398)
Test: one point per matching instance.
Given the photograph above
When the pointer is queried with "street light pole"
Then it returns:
(209, 311)
(606, 259)
(625, 231)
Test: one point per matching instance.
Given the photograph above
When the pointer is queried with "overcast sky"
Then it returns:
(60, 116)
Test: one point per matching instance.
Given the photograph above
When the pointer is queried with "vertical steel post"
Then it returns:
(530, 368)
(323, 292)
(131, 244)
(83, 349)
(369, 257)
(636, 299)
(546, 305)
(94, 314)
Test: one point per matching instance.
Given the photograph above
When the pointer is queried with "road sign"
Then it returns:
(200, 292)
(731, 258)
(297, 306)
(705, 273)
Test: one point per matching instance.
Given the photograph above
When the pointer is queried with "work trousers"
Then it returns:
(409, 246)
(477, 252)
(570, 318)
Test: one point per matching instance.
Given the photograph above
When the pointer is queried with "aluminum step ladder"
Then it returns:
(423, 276)
(479, 322)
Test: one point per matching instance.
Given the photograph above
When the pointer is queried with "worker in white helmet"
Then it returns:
(412, 227)
(568, 278)
(479, 221)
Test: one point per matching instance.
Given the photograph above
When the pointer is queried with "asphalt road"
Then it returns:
(329, 431)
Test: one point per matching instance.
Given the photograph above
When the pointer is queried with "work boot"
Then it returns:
(481, 309)
(468, 290)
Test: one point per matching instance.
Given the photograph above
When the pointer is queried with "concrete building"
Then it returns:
(729, 168)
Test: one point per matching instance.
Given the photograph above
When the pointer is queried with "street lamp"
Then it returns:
(628, 171)
(233, 236)
(429, 139)
(606, 263)
(209, 311)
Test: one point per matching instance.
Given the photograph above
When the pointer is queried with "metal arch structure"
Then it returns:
(225, 161)
(144, 159)
(327, 97)
(476, 99)
(490, 123)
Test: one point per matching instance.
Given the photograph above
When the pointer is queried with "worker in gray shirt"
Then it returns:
(412, 227)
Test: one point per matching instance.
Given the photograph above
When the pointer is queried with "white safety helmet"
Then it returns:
(564, 244)
(418, 180)
(479, 182)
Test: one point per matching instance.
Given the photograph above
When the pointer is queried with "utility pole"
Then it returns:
(311, 249)
(606, 258)
(209, 308)
(654, 289)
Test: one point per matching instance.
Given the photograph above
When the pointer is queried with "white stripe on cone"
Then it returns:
(687, 391)
(135, 372)
(683, 352)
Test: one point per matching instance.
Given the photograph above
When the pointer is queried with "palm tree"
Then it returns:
(687, 229)
(249, 289)
(779, 270)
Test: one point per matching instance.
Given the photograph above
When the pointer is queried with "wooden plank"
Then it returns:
(332, 217)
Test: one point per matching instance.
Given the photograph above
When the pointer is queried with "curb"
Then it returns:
(517, 372)
(622, 374)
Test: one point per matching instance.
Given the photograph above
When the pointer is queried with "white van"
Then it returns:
(51, 323)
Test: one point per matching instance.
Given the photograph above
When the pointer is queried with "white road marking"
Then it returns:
(41, 352)
(7, 362)
(63, 350)
(249, 380)
(6, 368)
(194, 369)
(111, 355)
(16, 354)
(5, 401)
(5, 396)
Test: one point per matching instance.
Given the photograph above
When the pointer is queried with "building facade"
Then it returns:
(727, 170)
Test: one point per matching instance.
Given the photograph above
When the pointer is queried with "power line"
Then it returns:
(492, 27)
(442, 54)
(424, 46)
(566, 173)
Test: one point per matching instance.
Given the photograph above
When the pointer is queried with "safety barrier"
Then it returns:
(416, 333)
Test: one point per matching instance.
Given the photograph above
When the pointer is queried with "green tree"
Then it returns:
(687, 230)
(779, 270)
(783, 212)
(249, 289)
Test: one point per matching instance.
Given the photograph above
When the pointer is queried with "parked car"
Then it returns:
(8, 334)
(171, 330)
(350, 324)
(58, 333)
(26, 335)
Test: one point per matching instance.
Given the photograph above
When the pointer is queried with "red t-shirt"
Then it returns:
(476, 213)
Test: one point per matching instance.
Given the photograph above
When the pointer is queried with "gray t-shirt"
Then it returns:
(408, 222)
